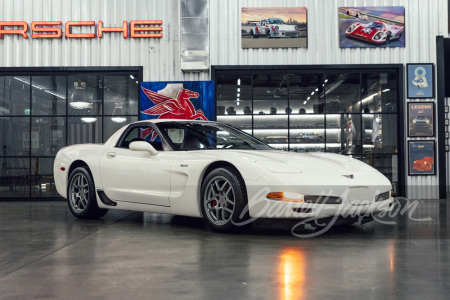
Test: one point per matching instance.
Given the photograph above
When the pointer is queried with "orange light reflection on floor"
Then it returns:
(292, 274)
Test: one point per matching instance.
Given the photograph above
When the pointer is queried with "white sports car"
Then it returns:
(212, 170)
(274, 28)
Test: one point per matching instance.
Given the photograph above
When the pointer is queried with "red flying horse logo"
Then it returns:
(172, 108)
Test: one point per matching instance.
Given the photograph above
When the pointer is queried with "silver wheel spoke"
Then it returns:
(79, 192)
(219, 200)
(228, 210)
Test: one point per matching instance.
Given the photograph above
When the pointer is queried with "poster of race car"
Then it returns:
(420, 81)
(274, 27)
(422, 158)
(420, 119)
(190, 100)
(372, 26)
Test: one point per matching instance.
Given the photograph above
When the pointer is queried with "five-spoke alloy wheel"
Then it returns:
(224, 198)
(81, 195)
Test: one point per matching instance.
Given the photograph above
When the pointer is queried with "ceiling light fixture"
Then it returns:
(89, 120)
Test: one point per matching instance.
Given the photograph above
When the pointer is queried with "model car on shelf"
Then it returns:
(377, 32)
(274, 28)
(213, 171)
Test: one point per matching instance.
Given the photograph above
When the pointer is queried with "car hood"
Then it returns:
(284, 27)
(292, 162)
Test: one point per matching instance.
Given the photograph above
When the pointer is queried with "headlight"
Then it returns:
(276, 27)
(351, 28)
(377, 36)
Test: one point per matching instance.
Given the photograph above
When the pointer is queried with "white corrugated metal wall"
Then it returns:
(161, 57)
(424, 21)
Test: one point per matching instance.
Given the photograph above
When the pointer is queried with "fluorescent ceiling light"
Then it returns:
(89, 120)
(118, 119)
(80, 104)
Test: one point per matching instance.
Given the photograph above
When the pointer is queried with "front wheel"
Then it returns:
(224, 199)
(81, 195)
(268, 33)
(388, 38)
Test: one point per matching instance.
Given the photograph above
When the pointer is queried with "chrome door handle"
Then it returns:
(110, 154)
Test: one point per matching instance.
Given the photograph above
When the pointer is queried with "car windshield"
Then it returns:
(206, 135)
(276, 22)
(376, 26)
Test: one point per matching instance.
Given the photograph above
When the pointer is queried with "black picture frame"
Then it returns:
(418, 114)
(421, 158)
(416, 88)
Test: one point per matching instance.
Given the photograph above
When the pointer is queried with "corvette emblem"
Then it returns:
(349, 176)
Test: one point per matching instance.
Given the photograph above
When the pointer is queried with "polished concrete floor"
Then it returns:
(46, 253)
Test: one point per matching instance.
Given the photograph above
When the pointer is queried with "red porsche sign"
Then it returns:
(53, 29)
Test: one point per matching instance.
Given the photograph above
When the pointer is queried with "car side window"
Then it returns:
(142, 133)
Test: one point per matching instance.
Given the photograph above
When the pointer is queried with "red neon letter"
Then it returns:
(134, 29)
(14, 31)
(79, 35)
(102, 29)
(58, 31)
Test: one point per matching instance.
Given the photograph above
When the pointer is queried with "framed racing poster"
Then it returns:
(421, 158)
(420, 81)
(274, 27)
(371, 26)
(421, 119)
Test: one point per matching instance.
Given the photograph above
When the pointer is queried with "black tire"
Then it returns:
(388, 38)
(81, 196)
(252, 33)
(222, 210)
(268, 34)
(357, 15)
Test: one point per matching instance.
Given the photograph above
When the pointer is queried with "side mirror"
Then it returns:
(143, 146)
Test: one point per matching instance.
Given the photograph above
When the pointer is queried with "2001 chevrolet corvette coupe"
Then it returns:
(212, 170)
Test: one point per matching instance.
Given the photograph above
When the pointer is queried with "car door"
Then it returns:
(137, 176)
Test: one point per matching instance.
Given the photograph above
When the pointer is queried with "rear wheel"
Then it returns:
(224, 198)
(253, 34)
(81, 195)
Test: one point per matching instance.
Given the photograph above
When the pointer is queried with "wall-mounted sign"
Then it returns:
(421, 158)
(274, 27)
(53, 29)
(191, 100)
(420, 119)
(33, 141)
(371, 26)
(420, 81)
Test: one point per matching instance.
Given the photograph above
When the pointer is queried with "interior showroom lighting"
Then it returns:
(89, 119)
(118, 119)
(78, 95)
